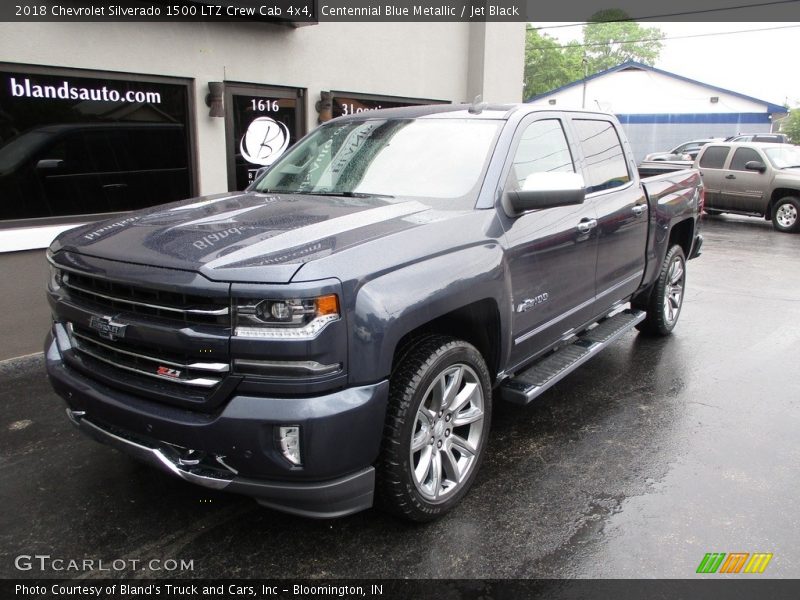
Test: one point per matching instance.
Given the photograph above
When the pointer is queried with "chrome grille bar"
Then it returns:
(185, 311)
(202, 382)
(199, 366)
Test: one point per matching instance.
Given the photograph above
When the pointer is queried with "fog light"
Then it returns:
(290, 443)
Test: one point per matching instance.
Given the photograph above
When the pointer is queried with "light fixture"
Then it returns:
(324, 107)
(289, 437)
(214, 99)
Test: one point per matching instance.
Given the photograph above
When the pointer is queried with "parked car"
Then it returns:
(686, 151)
(338, 330)
(757, 179)
(774, 138)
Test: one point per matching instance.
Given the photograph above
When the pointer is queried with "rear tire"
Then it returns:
(437, 425)
(786, 215)
(665, 302)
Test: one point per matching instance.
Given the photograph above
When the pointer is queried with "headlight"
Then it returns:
(56, 276)
(285, 318)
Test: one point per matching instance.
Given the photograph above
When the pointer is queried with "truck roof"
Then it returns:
(454, 111)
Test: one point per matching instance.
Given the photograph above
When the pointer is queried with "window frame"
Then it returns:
(733, 158)
(725, 160)
(585, 168)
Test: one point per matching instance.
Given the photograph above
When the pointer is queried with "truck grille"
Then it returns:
(176, 369)
(108, 296)
(168, 342)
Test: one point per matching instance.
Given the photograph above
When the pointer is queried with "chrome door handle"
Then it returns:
(587, 226)
(731, 176)
(638, 209)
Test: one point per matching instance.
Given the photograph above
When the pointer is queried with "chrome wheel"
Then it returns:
(786, 215)
(673, 291)
(446, 438)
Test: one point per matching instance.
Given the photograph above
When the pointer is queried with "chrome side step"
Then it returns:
(535, 380)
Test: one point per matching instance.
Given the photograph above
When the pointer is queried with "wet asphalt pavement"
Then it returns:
(651, 455)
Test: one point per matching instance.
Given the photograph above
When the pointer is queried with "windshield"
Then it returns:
(783, 157)
(430, 158)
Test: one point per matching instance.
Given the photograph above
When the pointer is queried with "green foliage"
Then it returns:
(603, 34)
(549, 64)
(791, 126)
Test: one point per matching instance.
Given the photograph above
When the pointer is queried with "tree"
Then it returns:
(791, 126)
(609, 40)
(548, 65)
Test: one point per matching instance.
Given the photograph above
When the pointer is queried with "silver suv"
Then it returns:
(754, 178)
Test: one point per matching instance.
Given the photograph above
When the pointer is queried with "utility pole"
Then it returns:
(585, 62)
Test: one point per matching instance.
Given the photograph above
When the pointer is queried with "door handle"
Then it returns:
(587, 225)
(115, 186)
(731, 176)
(638, 209)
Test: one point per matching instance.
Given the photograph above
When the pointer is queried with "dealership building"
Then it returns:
(97, 119)
(660, 110)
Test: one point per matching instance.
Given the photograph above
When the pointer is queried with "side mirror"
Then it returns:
(545, 190)
(755, 165)
(260, 172)
(49, 164)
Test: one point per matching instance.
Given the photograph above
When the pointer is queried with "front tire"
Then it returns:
(786, 215)
(665, 302)
(436, 430)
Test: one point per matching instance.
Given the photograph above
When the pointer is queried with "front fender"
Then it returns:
(390, 306)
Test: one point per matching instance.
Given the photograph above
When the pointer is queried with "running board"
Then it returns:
(551, 369)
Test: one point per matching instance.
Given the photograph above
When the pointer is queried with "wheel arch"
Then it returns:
(460, 294)
(777, 194)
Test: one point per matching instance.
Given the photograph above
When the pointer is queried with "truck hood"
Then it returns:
(225, 236)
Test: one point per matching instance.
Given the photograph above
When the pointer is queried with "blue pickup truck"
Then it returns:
(335, 335)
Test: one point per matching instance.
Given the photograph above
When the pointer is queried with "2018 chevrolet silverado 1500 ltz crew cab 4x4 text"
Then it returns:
(337, 331)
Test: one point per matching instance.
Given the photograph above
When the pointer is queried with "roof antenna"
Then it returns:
(477, 105)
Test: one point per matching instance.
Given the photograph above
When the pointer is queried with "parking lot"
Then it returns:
(637, 465)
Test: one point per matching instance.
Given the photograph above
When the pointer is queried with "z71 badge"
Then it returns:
(107, 328)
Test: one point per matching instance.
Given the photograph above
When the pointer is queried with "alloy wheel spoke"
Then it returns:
(421, 438)
(424, 465)
(450, 465)
(436, 474)
(462, 445)
(467, 417)
(464, 397)
(452, 386)
(677, 272)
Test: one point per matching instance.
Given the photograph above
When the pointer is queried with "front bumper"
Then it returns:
(236, 449)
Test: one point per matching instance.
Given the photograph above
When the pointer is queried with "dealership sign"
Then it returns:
(24, 88)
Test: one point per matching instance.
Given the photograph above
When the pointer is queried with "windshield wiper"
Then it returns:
(349, 194)
(791, 167)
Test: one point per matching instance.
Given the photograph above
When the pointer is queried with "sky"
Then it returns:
(762, 64)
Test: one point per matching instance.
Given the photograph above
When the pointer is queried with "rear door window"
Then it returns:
(714, 157)
(606, 167)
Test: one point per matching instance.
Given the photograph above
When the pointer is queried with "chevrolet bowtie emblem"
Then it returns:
(108, 328)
